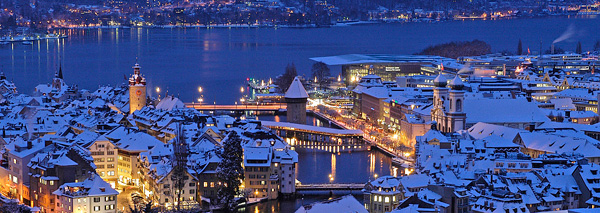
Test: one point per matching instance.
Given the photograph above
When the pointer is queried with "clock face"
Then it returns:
(138, 92)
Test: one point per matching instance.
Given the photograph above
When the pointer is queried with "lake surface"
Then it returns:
(181, 59)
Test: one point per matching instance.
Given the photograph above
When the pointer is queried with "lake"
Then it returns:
(179, 60)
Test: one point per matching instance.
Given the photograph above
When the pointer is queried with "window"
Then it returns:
(205, 184)
(387, 199)
(212, 184)
(97, 208)
(51, 183)
(110, 159)
(111, 173)
(192, 191)
(96, 199)
(166, 186)
(109, 207)
(192, 184)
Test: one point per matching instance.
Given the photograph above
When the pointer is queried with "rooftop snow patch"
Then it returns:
(343, 204)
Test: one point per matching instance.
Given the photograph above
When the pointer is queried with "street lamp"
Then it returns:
(158, 92)
(242, 89)
(200, 89)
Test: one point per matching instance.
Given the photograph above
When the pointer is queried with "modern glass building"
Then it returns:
(388, 67)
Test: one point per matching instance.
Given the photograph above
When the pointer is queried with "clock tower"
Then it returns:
(137, 90)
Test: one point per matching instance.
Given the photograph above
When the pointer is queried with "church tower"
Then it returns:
(137, 90)
(448, 110)
(456, 114)
(295, 98)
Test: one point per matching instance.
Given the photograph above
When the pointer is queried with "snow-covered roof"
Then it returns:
(347, 204)
(91, 187)
(296, 90)
(499, 111)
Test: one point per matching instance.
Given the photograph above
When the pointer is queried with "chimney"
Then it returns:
(531, 126)
(29, 144)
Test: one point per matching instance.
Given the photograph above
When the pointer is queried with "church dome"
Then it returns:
(456, 83)
(440, 81)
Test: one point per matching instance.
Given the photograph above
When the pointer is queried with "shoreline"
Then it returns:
(338, 24)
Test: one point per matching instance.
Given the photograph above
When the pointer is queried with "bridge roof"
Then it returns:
(314, 129)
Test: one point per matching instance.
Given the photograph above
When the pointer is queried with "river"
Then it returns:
(179, 60)
(321, 165)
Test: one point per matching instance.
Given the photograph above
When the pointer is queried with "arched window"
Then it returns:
(458, 105)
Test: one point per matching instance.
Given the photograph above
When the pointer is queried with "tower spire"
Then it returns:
(60, 73)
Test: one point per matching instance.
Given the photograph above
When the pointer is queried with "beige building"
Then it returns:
(93, 195)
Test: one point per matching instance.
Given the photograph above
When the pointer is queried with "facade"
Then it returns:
(89, 196)
(383, 194)
(448, 108)
(269, 171)
(137, 90)
(105, 157)
(388, 67)
(168, 192)
(50, 170)
(296, 97)
(19, 153)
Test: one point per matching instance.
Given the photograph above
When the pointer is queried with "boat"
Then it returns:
(27, 43)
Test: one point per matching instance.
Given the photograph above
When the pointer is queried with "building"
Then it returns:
(59, 165)
(89, 196)
(296, 97)
(137, 90)
(447, 109)
(388, 67)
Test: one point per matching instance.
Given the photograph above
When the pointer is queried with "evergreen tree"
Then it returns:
(578, 49)
(321, 72)
(179, 165)
(230, 171)
(284, 81)
(520, 48)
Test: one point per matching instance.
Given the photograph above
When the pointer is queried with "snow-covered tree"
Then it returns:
(230, 172)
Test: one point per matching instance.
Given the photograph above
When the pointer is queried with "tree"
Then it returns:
(520, 48)
(179, 163)
(578, 48)
(284, 81)
(597, 45)
(458, 49)
(11, 207)
(230, 171)
(321, 72)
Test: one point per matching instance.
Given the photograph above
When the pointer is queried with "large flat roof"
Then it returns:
(378, 58)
